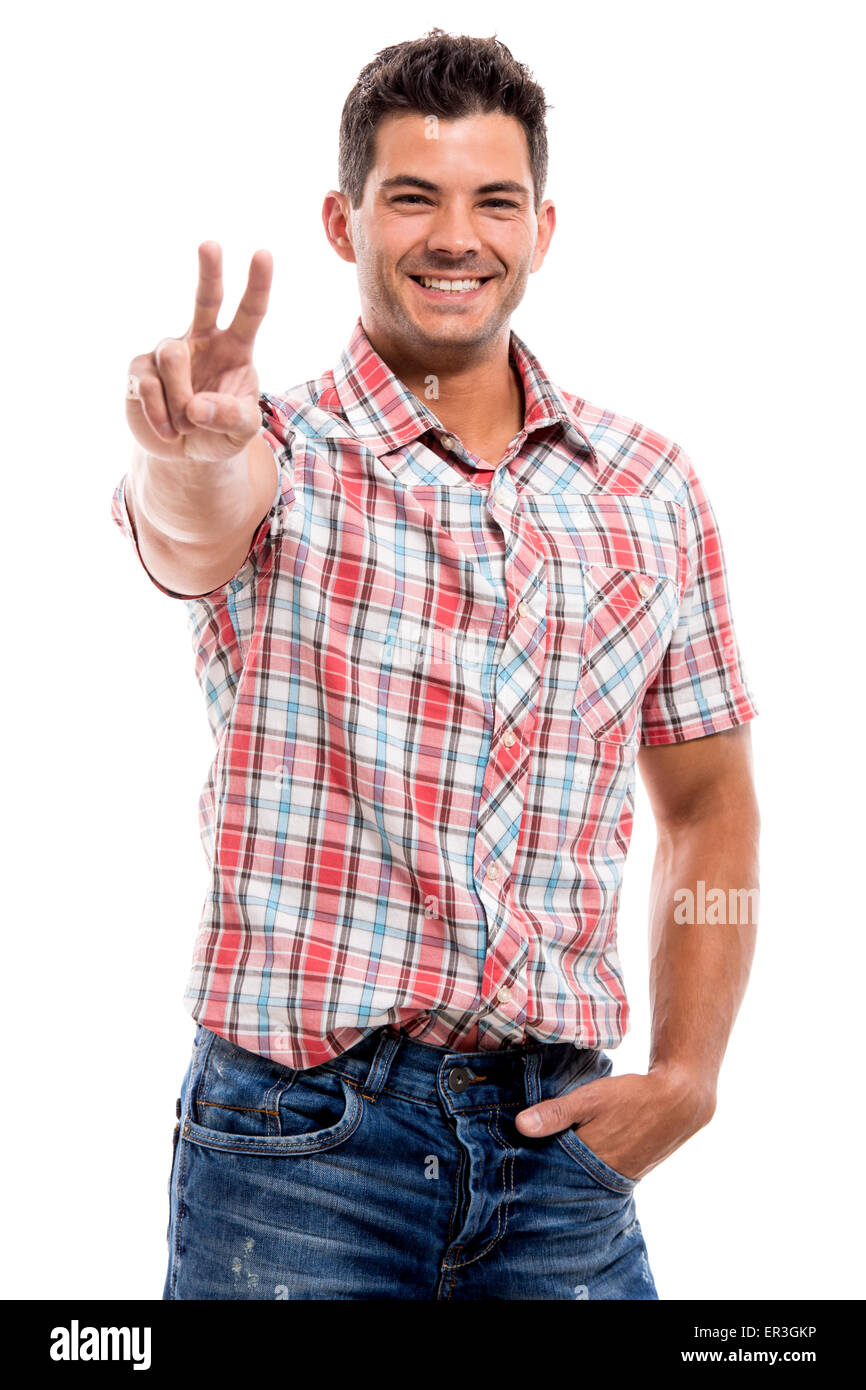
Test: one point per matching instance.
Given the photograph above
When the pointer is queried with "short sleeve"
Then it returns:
(120, 515)
(701, 687)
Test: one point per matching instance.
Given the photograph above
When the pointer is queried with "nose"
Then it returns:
(453, 232)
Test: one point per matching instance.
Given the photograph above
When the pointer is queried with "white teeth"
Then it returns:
(451, 286)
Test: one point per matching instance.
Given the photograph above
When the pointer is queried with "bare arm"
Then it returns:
(708, 826)
(706, 866)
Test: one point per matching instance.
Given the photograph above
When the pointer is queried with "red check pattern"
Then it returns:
(428, 684)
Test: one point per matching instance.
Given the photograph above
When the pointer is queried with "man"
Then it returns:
(441, 609)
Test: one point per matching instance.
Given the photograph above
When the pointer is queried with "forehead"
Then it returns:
(470, 150)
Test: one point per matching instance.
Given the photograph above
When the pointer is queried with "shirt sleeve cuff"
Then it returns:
(734, 706)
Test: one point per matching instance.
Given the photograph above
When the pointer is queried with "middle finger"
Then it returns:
(254, 302)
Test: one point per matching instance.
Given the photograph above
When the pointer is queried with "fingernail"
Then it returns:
(203, 411)
(531, 1121)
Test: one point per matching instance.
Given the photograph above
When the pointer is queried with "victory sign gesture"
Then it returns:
(195, 398)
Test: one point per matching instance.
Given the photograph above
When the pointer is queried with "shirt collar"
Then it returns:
(385, 415)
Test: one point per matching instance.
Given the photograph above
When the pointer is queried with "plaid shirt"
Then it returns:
(428, 683)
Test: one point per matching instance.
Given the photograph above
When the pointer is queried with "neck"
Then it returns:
(477, 398)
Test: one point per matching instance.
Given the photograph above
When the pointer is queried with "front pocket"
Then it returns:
(314, 1140)
(629, 618)
(599, 1066)
(596, 1167)
(246, 1103)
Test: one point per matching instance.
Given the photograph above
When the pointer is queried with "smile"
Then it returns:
(438, 287)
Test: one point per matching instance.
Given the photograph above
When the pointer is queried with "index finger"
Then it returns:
(254, 303)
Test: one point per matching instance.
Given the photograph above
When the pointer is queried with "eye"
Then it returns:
(418, 198)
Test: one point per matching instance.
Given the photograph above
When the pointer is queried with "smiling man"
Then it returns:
(442, 610)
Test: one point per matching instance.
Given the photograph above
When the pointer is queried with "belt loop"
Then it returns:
(533, 1069)
(386, 1051)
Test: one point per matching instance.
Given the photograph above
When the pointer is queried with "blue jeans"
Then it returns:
(393, 1171)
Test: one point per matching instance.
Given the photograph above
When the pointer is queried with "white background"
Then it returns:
(704, 279)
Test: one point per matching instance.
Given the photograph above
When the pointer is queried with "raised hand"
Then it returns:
(195, 398)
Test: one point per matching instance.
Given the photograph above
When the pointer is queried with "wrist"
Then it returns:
(188, 503)
(689, 1083)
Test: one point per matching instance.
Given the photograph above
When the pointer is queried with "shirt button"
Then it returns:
(523, 610)
(447, 441)
(503, 994)
(492, 871)
(502, 497)
(509, 739)
(645, 588)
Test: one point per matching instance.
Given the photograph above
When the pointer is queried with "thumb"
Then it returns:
(558, 1113)
(239, 417)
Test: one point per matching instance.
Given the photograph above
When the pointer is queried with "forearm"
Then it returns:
(699, 968)
(189, 504)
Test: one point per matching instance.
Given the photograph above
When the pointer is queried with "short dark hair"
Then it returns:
(443, 75)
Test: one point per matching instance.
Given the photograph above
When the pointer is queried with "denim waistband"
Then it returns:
(466, 1079)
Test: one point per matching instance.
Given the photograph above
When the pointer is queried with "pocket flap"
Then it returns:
(638, 535)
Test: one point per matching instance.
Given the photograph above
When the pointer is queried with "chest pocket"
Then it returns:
(632, 565)
(629, 619)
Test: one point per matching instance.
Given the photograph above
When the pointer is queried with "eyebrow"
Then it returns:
(501, 186)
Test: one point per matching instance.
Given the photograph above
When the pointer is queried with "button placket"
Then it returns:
(503, 793)
(497, 813)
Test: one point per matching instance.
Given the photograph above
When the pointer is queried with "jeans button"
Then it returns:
(459, 1078)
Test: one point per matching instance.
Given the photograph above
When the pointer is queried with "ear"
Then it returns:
(336, 218)
(546, 228)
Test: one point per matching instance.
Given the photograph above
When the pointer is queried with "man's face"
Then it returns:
(447, 200)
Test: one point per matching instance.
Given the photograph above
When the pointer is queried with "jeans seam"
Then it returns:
(454, 1268)
(200, 1087)
(197, 1068)
(384, 1089)
(243, 1109)
(178, 1214)
(274, 1098)
(457, 1172)
(501, 1226)
(624, 1185)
